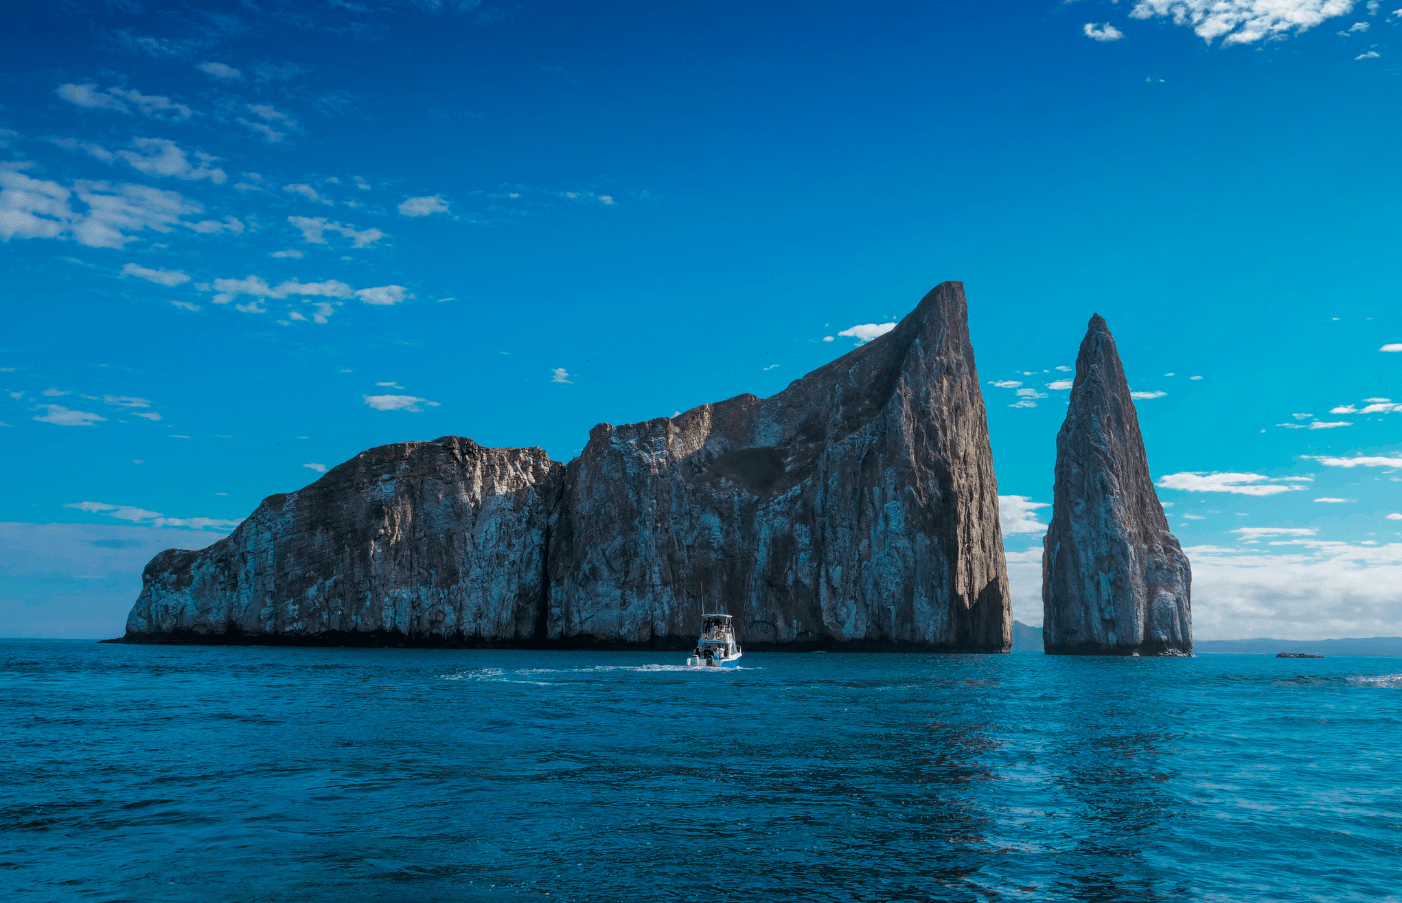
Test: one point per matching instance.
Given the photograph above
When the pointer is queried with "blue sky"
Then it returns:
(244, 241)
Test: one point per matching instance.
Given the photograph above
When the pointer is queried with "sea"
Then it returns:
(150, 773)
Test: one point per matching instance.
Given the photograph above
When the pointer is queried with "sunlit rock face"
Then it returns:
(857, 508)
(1114, 579)
(419, 540)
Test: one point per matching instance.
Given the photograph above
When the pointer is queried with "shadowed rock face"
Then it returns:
(1114, 579)
(856, 508)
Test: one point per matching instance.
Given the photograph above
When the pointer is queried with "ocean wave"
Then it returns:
(1391, 681)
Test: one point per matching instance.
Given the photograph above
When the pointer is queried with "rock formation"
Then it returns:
(855, 509)
(1114, 579)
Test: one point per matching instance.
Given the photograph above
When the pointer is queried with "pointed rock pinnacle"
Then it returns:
(1114, 579)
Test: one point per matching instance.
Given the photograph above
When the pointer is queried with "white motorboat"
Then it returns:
(717, 647)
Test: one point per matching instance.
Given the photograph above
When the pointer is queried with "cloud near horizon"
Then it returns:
(1236, 483)
(397, 402)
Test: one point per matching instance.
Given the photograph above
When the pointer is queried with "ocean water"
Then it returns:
(243, 774)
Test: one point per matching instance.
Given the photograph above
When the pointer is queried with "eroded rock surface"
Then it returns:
(1114, 579)
(419, 539)
(858, 508)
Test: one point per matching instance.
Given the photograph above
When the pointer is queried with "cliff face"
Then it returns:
(421, 539)
(856, 508)
(1114, 579)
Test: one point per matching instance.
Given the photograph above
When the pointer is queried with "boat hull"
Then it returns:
(729, 663)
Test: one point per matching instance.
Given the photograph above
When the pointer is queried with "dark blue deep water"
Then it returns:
(218, 774)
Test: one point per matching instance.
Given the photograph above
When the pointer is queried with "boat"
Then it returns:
(717, 647)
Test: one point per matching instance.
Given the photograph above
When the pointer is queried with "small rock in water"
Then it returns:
(1297, 655)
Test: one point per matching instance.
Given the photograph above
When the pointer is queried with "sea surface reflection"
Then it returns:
(215, 774)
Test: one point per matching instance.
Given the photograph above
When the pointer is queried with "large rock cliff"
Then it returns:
(857, 508)
(1114, 579)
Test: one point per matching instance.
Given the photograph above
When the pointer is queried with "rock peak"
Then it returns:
(857, 508)
(1114, 579)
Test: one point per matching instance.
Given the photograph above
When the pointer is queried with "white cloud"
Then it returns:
(213, 227)
(1370, 55)
(268, 121)
(1195, 377)
(148, 415)
(424, 206)
(1333, 501)
(1236, 483)
(1359, 461)
(153, 518)
(1243, 21)
(384, 295)
(1144, 395)
(1061, 384)
(1018, 514)
(314, 231)
(220, 70)
(1356, 28)
(1063, 368)
(559, 375)
(168, 278)
(54, 393)
(289, 253)
(123, 100)
(319, 468)
(258, 289)
(1103, 32)
(1393, 347)
(38, 208)
(90, 97)
(1327, 589)
(397, 402)
(162, 157)
(867, 331)
(1394, 517)
(1030, 393)
(1254, 534)
(307, 192)
(1007, 383)
(61, 416)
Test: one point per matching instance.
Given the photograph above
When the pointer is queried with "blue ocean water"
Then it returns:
(242, 774)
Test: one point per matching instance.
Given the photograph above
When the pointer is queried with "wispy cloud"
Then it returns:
(220, 70)
(154, 157)
(308, 192)
(1147, 395)
(1235, 483)
(397, 402)
(268, 121)
(1243, 21)
(1255, 534)
(559, 375)
(154, 518)
(1333, 501)
(123, 100)
(168, 278)
(424, 206)
(314, 231)
(1061, 384)
(319, 468)
(1358, 461)
(58, 415)
(1006, 383)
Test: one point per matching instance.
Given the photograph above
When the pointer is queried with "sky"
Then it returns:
(242, 242)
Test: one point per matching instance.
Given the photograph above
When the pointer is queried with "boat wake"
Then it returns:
(541, 676)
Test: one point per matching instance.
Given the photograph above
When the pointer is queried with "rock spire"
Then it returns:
(855, 509)
(1114, 579)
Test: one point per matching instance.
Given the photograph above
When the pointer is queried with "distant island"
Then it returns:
(856, 509)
